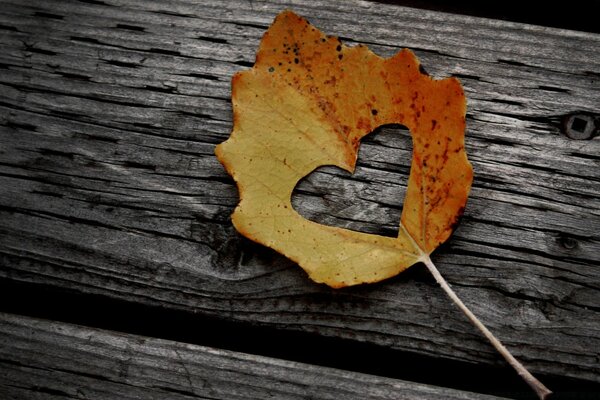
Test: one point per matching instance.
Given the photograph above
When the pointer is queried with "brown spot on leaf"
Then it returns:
(363, 124)
(456, 220)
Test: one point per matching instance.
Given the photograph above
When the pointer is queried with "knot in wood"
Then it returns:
(581, 126)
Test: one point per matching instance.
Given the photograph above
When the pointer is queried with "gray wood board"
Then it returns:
(52, 360)
(110, 112)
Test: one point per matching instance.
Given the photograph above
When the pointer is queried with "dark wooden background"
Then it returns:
(122, 277)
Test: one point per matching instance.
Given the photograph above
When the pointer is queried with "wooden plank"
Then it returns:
(52, 360)
(110, 112)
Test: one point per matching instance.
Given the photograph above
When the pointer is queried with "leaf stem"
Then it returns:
(542, 391)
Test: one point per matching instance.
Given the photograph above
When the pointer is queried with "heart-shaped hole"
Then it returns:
(370, 200)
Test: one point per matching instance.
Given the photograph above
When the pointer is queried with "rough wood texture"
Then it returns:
(49, 360)
(110, 111)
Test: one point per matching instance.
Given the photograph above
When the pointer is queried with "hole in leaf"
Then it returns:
(370, 200)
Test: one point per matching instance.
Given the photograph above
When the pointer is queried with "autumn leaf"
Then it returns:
(307, 102)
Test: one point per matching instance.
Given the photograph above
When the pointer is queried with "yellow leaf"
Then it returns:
(307, 102)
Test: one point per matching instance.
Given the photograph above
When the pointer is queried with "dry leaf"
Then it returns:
(307, 102)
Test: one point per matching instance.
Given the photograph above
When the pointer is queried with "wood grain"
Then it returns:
(110, 111)
(51, 360)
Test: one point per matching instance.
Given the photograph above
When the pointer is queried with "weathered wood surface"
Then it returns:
(110, 111)
(51, 360)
